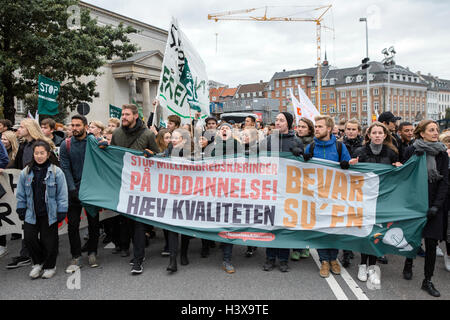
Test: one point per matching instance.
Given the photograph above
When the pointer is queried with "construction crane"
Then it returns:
(230, 15)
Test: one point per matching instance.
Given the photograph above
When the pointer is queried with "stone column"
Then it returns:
(132, 89)
(147, 104)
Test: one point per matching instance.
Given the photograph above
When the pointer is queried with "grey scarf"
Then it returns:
(376, 148)
(431, 149)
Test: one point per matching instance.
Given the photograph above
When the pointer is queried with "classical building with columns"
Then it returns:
(133, 79)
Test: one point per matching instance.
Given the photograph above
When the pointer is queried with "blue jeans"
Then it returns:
(327, 254)
(227, 249)
(273, 253)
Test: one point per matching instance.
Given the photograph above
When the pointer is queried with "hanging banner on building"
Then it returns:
(183, 83)
(303, 108)
(9, 219)
(48, 93)
(265, 201)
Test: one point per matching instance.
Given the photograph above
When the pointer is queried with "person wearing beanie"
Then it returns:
(287, 141)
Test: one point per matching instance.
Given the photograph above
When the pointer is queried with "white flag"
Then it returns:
(183, 86)
(303, 108)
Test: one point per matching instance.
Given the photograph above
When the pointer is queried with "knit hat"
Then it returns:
(289, 119)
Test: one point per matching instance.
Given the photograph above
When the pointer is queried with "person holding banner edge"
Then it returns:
(287, 142)
(427, 142)
(134, 134)
(325, 146)
(72, 153)
(377, 148)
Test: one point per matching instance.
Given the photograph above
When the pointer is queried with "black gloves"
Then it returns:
(307, 156)
(61, 216)
(296, 151)
(344, 165)
(432, 212)
(21, 212)
(73, 195)
(103, 144)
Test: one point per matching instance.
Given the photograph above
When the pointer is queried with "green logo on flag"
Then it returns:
(188, 82)
(48, 92)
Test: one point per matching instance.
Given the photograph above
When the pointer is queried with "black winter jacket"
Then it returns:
(386, 156)
(437, 196)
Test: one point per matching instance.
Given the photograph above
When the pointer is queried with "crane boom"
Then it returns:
(227, 16)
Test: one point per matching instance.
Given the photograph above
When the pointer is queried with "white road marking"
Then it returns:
(334, 285)
(337, 290)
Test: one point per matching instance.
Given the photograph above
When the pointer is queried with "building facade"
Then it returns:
(344, 91)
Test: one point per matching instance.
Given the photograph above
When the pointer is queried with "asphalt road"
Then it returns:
(204, 279)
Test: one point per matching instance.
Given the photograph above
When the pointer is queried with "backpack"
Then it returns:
(338, 148)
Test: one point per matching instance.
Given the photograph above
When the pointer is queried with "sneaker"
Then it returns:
(3, 251)
(228, 267)
(125, 253)
(48, 273)
(19, 262)
(439, 252)
(137, 268)
(325, 269)
(335, 267)
(304, 253)
(284, 266)
(295, 255)
(74, 265)
(132, 261)
(362, 272)
(93, 260)
(36, 271)
(165, 252)
(373, 277)
(269, 265)
(447, 262)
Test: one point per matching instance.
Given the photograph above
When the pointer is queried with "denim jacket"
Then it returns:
(56, 195)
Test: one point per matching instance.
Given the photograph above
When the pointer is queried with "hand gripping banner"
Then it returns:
(279, 202)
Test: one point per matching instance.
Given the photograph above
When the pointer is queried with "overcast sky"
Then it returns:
(250, 51)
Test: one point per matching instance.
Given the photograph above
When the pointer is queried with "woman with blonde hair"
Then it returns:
(11, 144)
(29, 131)
(96, 128)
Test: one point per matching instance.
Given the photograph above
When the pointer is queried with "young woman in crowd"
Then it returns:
(377, 148)
(42, 202)
(427, 142)
(97, 128)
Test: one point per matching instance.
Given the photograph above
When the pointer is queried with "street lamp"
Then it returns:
(388, 63)
(366, 66)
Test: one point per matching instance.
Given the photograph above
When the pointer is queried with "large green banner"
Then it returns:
(279, 202)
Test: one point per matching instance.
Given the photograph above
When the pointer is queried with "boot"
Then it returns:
(346, 259)
(428, 286)
(184, 248)
(172, 267)
(407, 269)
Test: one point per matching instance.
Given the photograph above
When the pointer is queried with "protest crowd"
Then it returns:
(51, 159)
